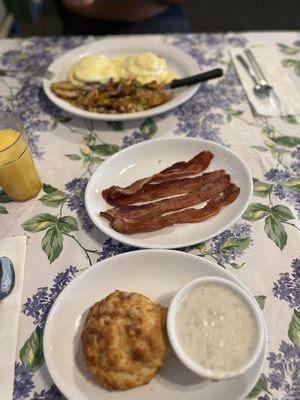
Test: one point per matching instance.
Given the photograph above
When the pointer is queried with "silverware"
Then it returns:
(260, 90)
(7, 277)
(273, 98)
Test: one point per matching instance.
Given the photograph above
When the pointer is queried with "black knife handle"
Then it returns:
(191, 80)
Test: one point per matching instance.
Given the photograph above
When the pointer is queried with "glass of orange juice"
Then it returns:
(18, 176)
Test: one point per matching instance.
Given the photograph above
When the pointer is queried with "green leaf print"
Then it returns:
(256, 211)
(20, 57)
(275, 231)
(297, 68)
(4, 198)
(67, 224)
(54, 125)
(98, 160)
(261, 301)
(202, 248)
(269, 143)
(294, 329)
(52, 243)
(260, 148)
(282, 213)
(288, 63)
(62, 118)
(268, 132)
(31, 354)
(261, 386)
(233, 243)
(73, 157)
(104, 149)
(290, 119)
(48, 188)
(284, 48)
(287, 141)
(3, 210)
(54, 199)
(148, 127)
(261, 189)
(277, 153)
(232, 113)
(292, 184)
(236, 265)
(116, 125)
(39, 223)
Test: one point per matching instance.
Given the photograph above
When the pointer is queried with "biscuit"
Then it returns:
(124, 340)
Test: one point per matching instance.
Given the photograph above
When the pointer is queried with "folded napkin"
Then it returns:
(277, 76)
(15, 249)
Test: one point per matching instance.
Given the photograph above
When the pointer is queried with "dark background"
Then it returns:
(204, 15)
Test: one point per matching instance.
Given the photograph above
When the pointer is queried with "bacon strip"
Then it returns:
(206, 192)
(190, 215)
(164, 189)
(178, 170)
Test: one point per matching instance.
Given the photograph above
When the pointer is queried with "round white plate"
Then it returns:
(157, 274)
(177, 60)
(149, 157)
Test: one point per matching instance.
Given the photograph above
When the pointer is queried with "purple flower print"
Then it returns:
(51, 394)
(288, 286)
(39, 305)
(111, 248)
(23, 382)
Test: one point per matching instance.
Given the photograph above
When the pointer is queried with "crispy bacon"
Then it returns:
(150, 210)
(178, 170)
(189, 215)
(170, 188)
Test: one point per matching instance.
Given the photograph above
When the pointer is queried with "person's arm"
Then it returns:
(77, 3)
(117, 10)
(173, 2)
(85, 3)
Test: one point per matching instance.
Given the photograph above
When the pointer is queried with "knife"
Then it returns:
(192, 80)
(273, 98)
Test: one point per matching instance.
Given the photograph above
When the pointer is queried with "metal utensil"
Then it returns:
(260, 90)
(7, 277)
(273, 98)
(192, 80)
(176, 83)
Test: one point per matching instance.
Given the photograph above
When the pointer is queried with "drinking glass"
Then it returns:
(18, 175)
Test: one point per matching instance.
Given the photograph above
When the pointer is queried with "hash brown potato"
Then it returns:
(124, 340)
(113, 97)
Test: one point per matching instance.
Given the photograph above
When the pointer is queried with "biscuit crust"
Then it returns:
(124, 340)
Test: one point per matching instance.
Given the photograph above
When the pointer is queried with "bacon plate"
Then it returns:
(169, 188)
(190, 215)
(178, 170)
(150, 210)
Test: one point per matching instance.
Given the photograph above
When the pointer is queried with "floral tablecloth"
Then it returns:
(262, 249)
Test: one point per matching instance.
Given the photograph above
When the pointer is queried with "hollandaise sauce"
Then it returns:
(145, 67)
(18, 176)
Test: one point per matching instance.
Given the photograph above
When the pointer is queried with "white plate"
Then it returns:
(154, 273)
(177, 60)
(149, 157)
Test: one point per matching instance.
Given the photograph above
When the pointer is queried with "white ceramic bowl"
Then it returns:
(175, 343)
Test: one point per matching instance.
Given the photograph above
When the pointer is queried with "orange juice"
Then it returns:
(18, 176)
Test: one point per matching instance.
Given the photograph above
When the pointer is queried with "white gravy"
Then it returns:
(216, 328)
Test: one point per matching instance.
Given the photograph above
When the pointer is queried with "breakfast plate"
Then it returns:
(149, 157)
(178, 61)
(157, 274)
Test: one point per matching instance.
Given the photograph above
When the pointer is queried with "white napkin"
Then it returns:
(15, 249)
(277, 76)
